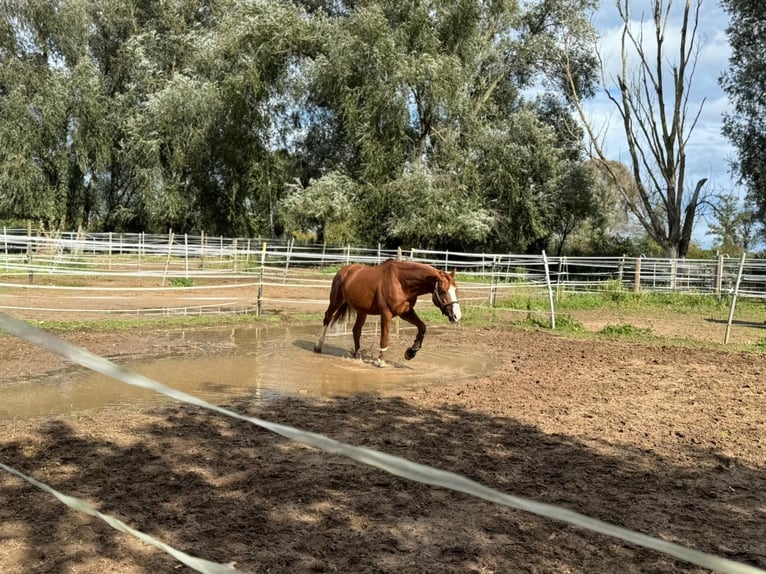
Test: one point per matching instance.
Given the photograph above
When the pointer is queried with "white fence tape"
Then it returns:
(392, 464)
(198, 564)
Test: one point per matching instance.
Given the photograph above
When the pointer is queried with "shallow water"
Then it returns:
(263, 362)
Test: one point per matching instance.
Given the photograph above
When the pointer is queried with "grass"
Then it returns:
(625, 330)
(537, 300)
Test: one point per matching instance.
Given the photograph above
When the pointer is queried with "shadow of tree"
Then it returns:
(228, 491)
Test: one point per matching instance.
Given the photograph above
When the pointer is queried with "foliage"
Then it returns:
(431, 211)
(326, 206)
(625, 330)
(743, 82)
(734, 228)
(403, 122)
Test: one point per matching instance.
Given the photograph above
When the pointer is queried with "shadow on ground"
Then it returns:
(231, 492)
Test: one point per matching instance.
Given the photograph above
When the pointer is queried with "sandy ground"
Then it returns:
(663, 439)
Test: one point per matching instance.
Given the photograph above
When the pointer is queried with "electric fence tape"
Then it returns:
(198, 564)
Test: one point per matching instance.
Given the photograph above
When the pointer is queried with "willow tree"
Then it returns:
(433, 92)
(651, 93)
(52, 136)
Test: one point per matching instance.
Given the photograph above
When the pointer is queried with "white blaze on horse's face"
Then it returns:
(452, 295)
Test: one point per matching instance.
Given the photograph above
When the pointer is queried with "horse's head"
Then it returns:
(445, 296)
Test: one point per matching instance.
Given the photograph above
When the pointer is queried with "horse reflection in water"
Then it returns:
(390, 290)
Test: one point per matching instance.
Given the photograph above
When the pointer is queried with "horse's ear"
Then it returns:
(452, 273)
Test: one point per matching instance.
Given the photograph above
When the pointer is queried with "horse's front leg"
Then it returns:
(411, 317)
(385, 326)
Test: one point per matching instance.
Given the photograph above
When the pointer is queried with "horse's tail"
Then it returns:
(340, 313)
(337, 303)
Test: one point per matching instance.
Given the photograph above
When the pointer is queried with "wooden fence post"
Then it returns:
(719, 276)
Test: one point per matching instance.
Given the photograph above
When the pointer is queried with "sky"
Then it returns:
(708, 151)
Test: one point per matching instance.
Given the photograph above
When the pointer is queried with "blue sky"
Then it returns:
(708, 151)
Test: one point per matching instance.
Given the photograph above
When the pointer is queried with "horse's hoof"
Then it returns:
(380, 363)
(317, 349)
(409, 354)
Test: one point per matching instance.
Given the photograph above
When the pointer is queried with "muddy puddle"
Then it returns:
(261, 362)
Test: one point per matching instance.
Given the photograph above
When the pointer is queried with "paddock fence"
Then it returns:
(149, 274)
(236, 275)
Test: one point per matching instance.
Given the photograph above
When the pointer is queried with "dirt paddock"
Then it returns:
(663, 439)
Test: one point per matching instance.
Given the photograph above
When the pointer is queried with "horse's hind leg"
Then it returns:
(333, 308)
(320, 342)
(357, 331)
(411, 317)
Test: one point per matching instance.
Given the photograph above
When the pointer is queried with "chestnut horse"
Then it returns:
(390, 290)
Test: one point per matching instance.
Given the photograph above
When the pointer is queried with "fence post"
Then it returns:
(202, 250)
(550, 291)
(234, 253)
(559, 274)
(621, 269)
(186, 254)
(719, 276)
(287, 257)
(259, 304)
(734, 298)
(673, 273)
(492, 285)
(5, 246)
(31, 273)
(167, 261)
(637, 276)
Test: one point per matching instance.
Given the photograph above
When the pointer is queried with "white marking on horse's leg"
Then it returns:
(318, 346)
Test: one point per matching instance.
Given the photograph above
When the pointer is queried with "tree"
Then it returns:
(433, 210)
(51, 137)
(574, 203)
(652, 100)
(325, 206)
(745, 125)
(734, 227)
(436, 87)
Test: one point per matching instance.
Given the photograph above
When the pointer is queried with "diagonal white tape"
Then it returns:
(198, 564)
(392, 464)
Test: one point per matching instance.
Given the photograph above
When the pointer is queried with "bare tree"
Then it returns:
(652, 99)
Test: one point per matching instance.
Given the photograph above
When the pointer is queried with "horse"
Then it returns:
(390, 290)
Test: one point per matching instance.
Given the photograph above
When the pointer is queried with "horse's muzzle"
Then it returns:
(452, 311)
